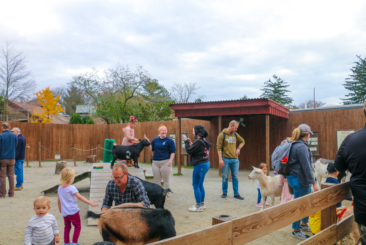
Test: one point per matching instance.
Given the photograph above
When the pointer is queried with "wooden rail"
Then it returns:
(250, 227)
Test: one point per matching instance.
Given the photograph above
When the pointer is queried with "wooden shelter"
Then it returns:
(260, 120)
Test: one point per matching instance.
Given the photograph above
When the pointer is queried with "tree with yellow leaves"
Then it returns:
(49, 106)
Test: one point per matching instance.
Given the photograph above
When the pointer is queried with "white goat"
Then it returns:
(320, 168)
(269, 186)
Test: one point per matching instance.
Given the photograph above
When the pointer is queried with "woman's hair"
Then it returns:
(200, 131)
(161, 127)
(67, 176)
(42, 199)
(133, 119)
(262, 165)
(297, 134)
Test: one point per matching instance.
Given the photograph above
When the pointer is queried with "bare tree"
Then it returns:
(183, 92)
(61, 90)
(15, 79)
(310, 104)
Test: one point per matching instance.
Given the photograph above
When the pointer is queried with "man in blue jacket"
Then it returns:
(8, 144)
(19, 158)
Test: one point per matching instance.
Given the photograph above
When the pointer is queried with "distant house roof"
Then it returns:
(31, 106)
(329, 106)
(85, 109)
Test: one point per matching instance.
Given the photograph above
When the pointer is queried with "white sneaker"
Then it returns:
(203, 206)
(300, 235)
(196, 208)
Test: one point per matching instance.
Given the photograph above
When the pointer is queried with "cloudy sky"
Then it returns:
(229, 48)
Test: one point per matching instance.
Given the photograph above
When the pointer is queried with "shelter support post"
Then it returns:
(267, 145)
(179, 145)
(219, 131)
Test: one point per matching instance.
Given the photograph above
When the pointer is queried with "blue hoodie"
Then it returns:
(8, 144)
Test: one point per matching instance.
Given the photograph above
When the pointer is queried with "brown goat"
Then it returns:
(135, 225)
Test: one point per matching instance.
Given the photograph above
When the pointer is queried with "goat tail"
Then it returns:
(92, 215)
(166, 191)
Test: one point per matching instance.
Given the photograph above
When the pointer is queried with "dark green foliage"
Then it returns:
(356, 83)
(76, 119)
(159, 111)
(153, 92)
(88, 120)
(277, 91)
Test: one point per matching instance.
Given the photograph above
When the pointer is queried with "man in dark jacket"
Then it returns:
(8, 144)
(19, 158)
(351, 155)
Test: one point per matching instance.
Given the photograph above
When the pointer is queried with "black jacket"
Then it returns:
(199, 151)
(352, 156)
(20, 150)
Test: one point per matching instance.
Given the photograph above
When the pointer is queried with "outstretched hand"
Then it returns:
(146, 138)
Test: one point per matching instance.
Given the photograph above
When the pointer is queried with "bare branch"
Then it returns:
(183, 93)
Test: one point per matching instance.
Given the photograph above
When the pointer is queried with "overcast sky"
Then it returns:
(229, 48)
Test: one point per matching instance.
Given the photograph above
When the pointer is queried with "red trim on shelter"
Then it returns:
(230, 108)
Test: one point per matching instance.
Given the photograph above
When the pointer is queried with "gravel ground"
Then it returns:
(15, 212)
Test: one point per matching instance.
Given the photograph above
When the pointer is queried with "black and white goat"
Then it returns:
(155, 193)
(131, 152)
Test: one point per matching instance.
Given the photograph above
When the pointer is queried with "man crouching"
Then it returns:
(124, 189)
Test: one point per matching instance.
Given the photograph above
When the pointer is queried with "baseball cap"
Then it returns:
(15, 129)
(331, 168)
(305, 128)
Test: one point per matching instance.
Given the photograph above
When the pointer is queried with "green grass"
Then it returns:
(177, 174)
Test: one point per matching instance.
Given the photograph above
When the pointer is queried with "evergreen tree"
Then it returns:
(277, 91)
(76, 119)
(356, 83)
(72, 98)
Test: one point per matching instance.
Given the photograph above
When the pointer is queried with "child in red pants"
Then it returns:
(68, 206)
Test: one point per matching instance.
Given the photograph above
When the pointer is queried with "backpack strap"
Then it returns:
(223, 141)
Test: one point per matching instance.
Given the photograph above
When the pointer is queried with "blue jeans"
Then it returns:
(260, 196)
(233, 164)
(198, 176)
(299, 191)
(18, 169)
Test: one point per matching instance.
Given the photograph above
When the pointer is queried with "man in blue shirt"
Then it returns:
(19, 158)
(8, 144)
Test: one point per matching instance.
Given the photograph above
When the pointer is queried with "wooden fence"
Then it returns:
(250, 227)
(61, 138)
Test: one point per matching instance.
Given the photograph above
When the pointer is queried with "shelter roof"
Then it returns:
(208, 109)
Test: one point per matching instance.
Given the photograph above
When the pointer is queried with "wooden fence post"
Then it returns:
(27, 154)
(98, 150)
(74, 157)
(328, 215)
(39, 154)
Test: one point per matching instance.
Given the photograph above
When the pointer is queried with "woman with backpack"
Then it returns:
(200, 159)
(301, 177)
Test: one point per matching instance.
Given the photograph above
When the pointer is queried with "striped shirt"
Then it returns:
(41, 229)
(134, 193)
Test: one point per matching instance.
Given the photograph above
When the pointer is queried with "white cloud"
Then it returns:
(227, 47)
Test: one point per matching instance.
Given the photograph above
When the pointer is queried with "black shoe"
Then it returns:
(239, 197)
(224, 195)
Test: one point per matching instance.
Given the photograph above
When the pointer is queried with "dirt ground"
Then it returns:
(15, 212)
